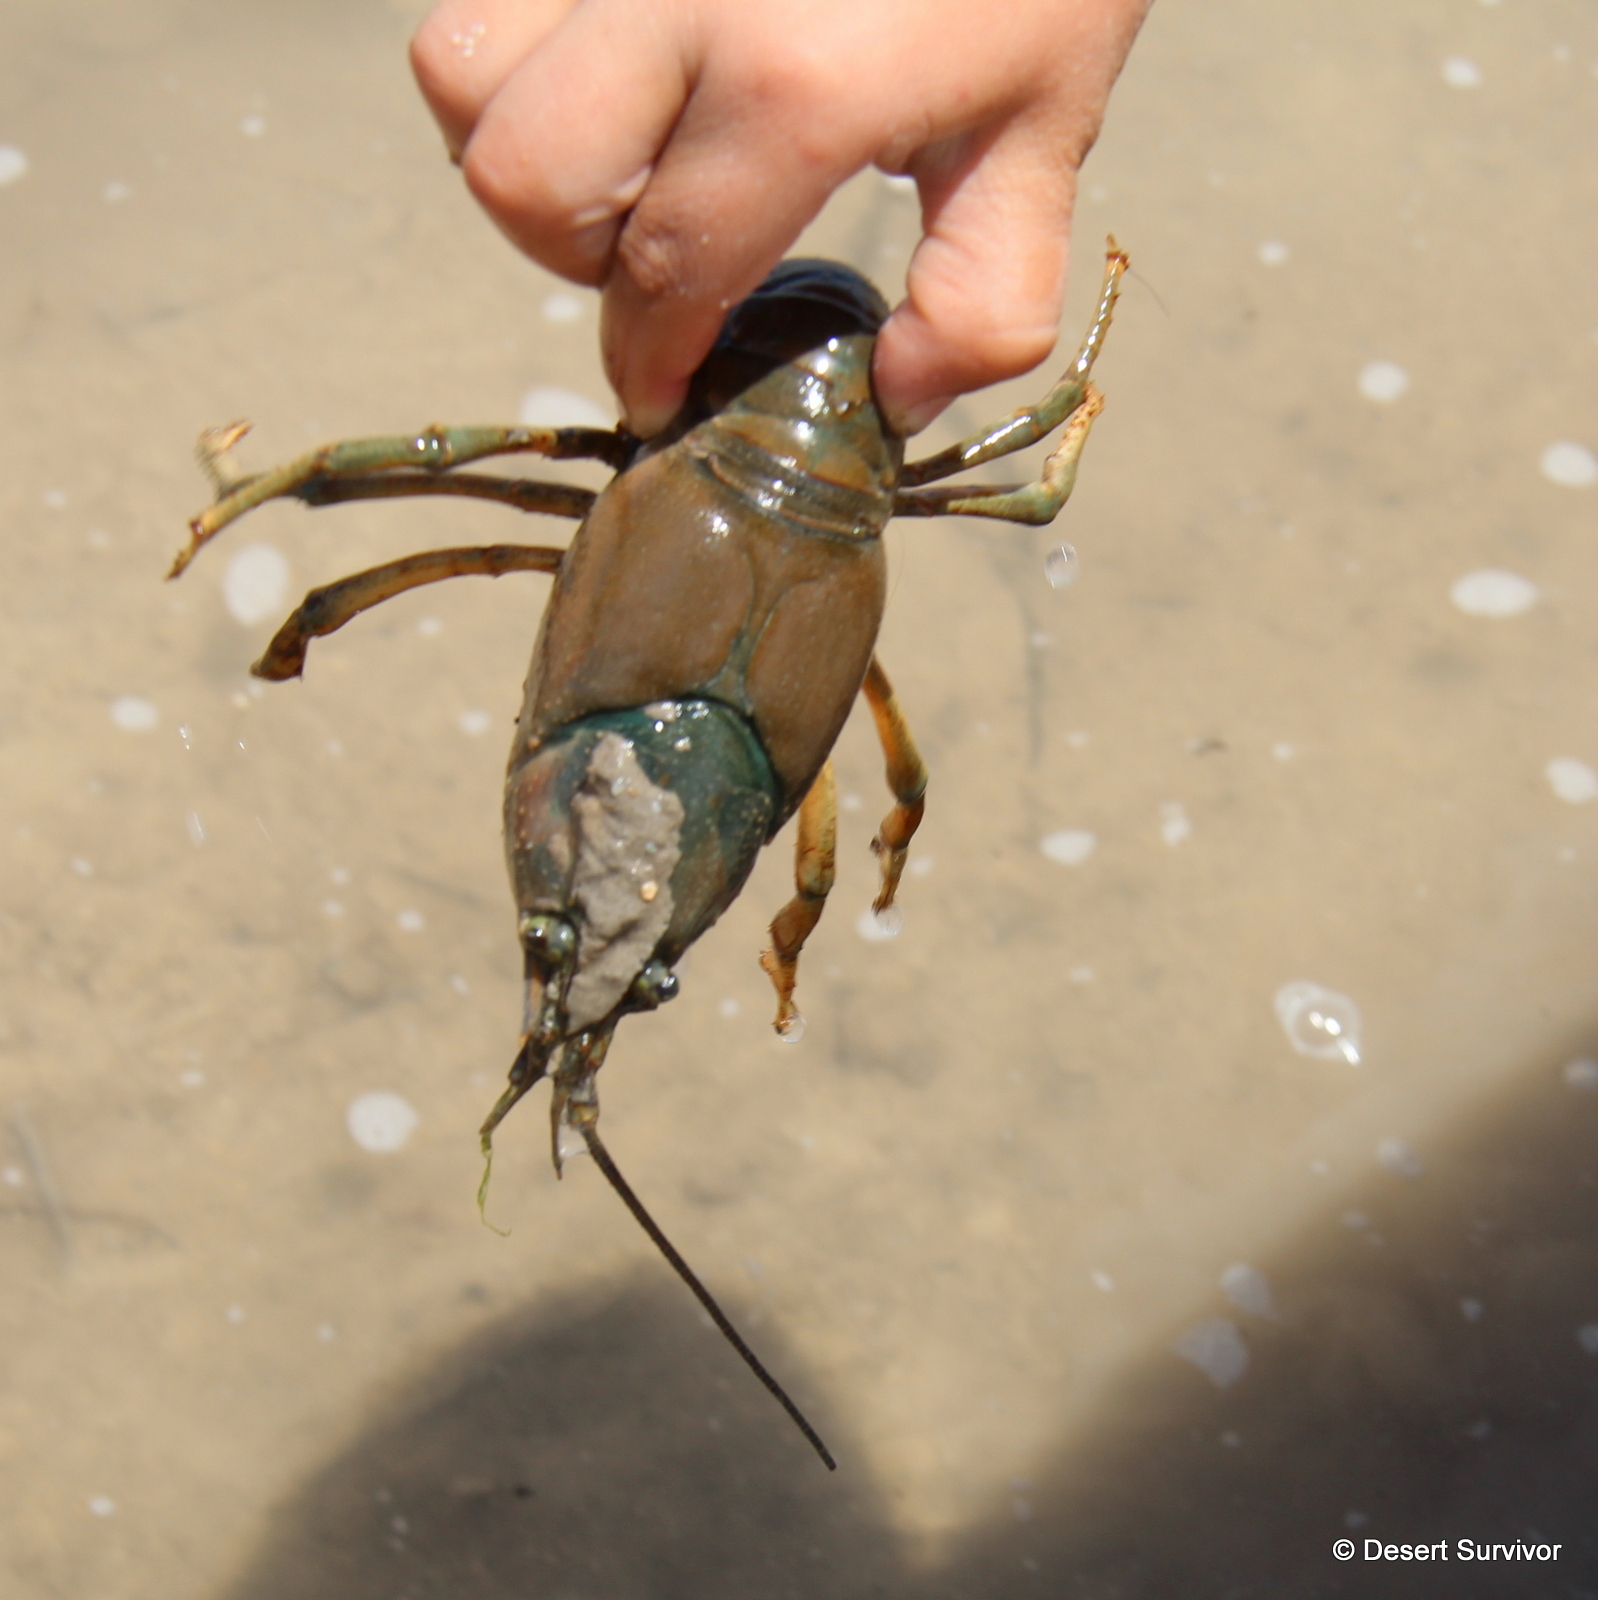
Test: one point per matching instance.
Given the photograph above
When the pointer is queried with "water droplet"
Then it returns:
(1273, 253)
(1070, 846)
(1460, 72)
(1282, 752)
(1582, 1073)
(256, 584)
(1570, 465)
(878, 928)
(196, 829)
(1400, 1158)
(117, 192)
(332, 908)
(474, 722)
(1247, 1288)
(1490, 592)
(1587, 1338)
(380, 1121)
(562, 308)
(192, 1078)
(1217, 1349)
(1573, 781)
(792, 1027)
(1102, 1281)
(411, 921)
(83, 868)
(429, 627)
(545, 407)
(1383, 381)
(253, 126)
(570, 1141)
(55, 499)
(1319, 1022)
(728, 1008)
(340, 876)
(459, 984)
(1061, 566)
(134, 715)
(1175, 824)
(465, 39)
(102, 1505)
(13, 1176)
(13, 164)
(326, 1332)
(1471, 1310)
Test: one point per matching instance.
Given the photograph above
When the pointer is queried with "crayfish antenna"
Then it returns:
(525, 1071)
(602, 1160)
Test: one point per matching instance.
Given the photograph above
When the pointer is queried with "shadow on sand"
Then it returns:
(1423, 1376)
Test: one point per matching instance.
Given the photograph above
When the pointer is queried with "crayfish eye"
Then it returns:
(549, 940)
(655, 984)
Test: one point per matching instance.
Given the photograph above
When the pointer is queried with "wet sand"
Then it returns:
(1029, 1152)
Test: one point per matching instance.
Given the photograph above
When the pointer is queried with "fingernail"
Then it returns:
(912, 419)
(646, 419)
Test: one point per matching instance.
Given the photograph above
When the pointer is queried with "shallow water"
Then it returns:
(1093, 1281)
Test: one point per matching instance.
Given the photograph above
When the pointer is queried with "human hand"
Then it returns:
(671, 151)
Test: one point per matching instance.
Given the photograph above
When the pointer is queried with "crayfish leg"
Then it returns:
(815, 861)
(907, 780)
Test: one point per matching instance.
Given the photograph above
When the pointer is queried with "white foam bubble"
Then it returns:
(13, 164)
(1471, 1310)
(1217, 1349)
(1248, 1289)
(256, 584)
(1400, 1158)
(1175, 824)
(1070, 846)
(1282, 751)
(1587, 1337)
(562, 307)
(132, 714)
(1319, 1021)
(116, 192)
(1383, 381)
(1460, 72)
(234, 1314)
(1582, 1073)
(380, 1121)
(1273, 253)
(475, 722)
(728, 1008)
(253, 126)
(545, 407)
(1102, 1281)
(1570, 465)
(102, 1505)
(411, 921)
(1492, 592)
(1572, 780)
(877, 928)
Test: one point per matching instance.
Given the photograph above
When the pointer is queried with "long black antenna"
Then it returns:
(602, 1160)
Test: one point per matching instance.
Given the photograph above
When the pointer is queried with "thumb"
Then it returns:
(987, 281)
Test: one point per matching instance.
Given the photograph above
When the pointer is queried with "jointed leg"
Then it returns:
(815, 858)
(327, 609)
(1032, 423)
(1037, 503)
(907, 778)
(431, 452)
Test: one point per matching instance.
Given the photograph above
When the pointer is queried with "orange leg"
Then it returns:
(814, 858)
(907, 778)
